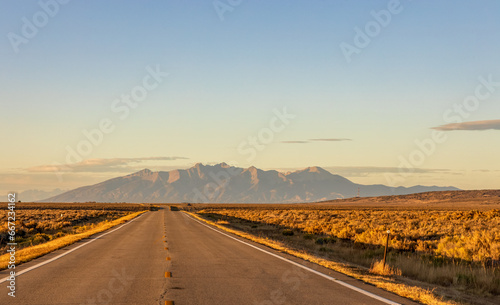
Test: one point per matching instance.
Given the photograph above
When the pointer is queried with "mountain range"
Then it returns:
(35, 195)
(222, 183)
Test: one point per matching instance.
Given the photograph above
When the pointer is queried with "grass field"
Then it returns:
(454, 252)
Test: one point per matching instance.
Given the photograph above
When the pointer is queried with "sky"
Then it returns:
(381, 92)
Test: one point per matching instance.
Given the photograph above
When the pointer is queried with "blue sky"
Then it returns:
(227, 78)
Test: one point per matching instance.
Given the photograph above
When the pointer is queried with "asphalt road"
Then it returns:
(169, 256)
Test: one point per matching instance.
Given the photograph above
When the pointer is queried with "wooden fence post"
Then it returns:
(386, 245)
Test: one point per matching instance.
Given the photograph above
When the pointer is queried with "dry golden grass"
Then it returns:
(465, 235)
(30, 253)
(378, 267)
(425, 296)
(451, 200)
(36, 226)
(455, 253)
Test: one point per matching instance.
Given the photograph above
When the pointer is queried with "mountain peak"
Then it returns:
(143, 172)
(254, 174)
(198, 165)
(315, 169)
(312, 169)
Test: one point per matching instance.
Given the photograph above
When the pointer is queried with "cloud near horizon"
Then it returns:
(99, 165)
(317, 140)
(295, 142)
(330, 140)
(473, 125)
(363, 171)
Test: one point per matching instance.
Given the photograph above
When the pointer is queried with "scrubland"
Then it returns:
(454, 253)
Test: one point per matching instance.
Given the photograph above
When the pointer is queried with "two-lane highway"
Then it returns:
(204, 266)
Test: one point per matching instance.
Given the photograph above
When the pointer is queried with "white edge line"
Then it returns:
(387, 301)
(68, 252)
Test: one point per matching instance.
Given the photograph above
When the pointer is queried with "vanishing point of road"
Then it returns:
(168, 257)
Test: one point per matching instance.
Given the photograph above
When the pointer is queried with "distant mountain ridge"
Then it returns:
(34, 195)
(222, 183)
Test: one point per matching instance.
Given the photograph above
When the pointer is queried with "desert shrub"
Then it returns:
(467, 235)
(40, 238)
(40, 224)
(331, 240)
(59, 234)
(308, 236)
(320, 241)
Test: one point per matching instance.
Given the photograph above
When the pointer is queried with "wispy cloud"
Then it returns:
(100, 165)
(317, 140)
(362, 171)
(330, 140)
(295, 142)
(475, 125)
(377, 171)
